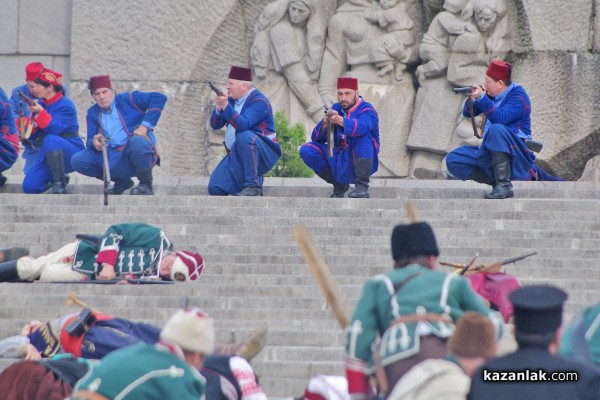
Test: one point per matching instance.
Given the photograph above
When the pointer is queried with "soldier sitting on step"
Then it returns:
(9, 139)
(127, 250)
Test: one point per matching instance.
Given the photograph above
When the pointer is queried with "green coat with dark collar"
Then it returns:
(428, 291)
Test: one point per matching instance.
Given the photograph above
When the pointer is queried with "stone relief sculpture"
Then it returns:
(456, 50)
(391, 51)
(364, 39)
(289, 43)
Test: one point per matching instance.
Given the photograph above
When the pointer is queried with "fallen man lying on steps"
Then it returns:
(108, 335)
(125, 251)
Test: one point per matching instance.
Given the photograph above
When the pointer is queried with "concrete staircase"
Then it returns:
(256, 273)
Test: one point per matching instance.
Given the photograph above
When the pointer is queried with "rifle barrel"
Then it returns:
(518, 258)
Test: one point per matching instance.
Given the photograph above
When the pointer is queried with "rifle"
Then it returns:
(494, 267)
(215, 89)
(105, 165)
(467, 90)
(330, 134)
(30, 102)
(21, 119)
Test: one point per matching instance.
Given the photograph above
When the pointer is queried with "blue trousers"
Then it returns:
(139, 154)
(252, 156)
(8, 155)
(107, 336)
(461, 161)
(38, 173)
(316, 156)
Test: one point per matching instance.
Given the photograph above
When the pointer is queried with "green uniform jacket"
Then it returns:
(143, 372)
(590, 330)
(130, 247)
(428, 292)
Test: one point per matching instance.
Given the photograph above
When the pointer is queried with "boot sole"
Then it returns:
(508, 196)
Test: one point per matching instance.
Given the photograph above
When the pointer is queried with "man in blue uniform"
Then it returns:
(250, 139)
(503, 155)
(355, 154)
(32, 71)
(127, 120)
(9, 139)
(55, 135)
(533, 372)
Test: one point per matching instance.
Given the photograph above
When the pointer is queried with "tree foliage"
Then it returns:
(290, 138)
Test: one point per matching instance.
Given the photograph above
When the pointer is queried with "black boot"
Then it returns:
(145, 186)
(362, 173)
(13, 253)
(478, 176)
(339, 189)
(503, 187)
(8, 271)
(56, 162)
(120, 186)
(3, 180)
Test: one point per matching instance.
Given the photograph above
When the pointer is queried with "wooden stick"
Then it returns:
(322, 275)
(411, 212)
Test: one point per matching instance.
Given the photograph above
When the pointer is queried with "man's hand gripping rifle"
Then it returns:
(467, 90)
(330, 132)
(25, 132)
(532, 145)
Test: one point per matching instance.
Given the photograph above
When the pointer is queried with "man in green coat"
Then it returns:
(412, 309)
(128, 250)
(166, 370)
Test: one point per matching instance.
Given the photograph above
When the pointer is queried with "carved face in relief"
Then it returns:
(299, 12)
(486, 19)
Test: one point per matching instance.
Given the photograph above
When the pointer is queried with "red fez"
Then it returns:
(33, 70)
(347, 83)
(187, 266)
(240, 73)
(499, 70)
(51, 77)
(99, 81)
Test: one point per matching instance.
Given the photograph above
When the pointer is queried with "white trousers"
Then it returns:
(56, 266)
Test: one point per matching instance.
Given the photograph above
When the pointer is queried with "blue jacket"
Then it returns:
(59, 118)
(514, 110)
(133, 108)
(9, 141)
(256, 115)
(361, 120)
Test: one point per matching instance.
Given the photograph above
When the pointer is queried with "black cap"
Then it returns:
(413, 240)
(538, 308)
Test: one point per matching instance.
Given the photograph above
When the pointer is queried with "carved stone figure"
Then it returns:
(392, 50)
(460, 43)
(289, 41)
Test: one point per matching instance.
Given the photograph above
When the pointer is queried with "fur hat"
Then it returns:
(474, 336)
(51, 77)
(240, 73)
(347, 83)
(191, 329)
(99, 81)
(413, 240)
(537, 309)
(33, 70)
(187, 266)
(499, 70)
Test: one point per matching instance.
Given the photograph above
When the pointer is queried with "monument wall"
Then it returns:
(407, 55)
